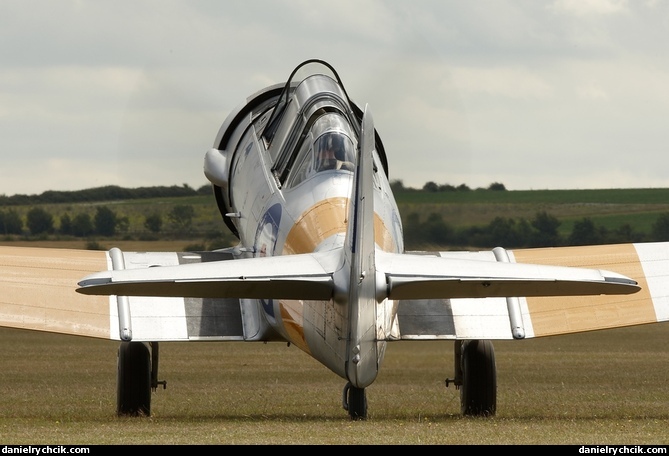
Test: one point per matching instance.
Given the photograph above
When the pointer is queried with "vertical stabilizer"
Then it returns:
(361, 364)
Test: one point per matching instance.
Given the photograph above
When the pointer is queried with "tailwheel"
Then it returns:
(133, 387)
(478, 392)
(355, 402)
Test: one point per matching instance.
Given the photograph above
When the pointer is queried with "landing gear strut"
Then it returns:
(475, 377)
(354, 401)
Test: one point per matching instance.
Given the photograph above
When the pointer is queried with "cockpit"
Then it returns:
(313, 126)
(328, 147)
(305, 128)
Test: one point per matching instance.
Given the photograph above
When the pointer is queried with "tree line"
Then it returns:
(105, 222)
(101, 194)
(540, 231)
(398, 186)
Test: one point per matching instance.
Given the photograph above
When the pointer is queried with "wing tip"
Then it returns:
(91, 284)
(629, 285)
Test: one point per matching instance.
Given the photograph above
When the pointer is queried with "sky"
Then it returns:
(533, 94)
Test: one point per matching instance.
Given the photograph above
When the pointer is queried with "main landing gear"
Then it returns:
(137, 376)
(475, 377)
(354, 401)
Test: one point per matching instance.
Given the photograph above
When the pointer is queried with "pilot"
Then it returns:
(333, 153)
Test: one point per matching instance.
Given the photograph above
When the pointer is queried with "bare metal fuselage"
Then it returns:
(279, 202)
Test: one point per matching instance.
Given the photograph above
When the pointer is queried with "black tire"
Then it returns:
(357, 403)
(478, 393)
(133, 381)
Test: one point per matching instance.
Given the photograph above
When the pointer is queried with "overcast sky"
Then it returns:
(551, 94)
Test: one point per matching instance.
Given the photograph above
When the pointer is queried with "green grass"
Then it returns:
(607, 387)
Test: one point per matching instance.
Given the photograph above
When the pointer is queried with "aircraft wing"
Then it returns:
(38, 292)
(196, 296)
(493, 318)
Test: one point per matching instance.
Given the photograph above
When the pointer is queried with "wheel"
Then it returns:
(133, 381)
(478, 393)
(356, 402)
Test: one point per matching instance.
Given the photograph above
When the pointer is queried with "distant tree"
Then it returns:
(463, 188)
(181, 217)
(432, 231)
(625, 233)
(65, 224)
(436, 231)
(105, 221)
(430, 187)
(412, 229)
(204, 190)
(122, 224)
(502, 232)
(660, 228)
(10, 222)
(584, 233)
(472, 236)
(447, 188)
(82, 225)
(397, 186)
(39, 221)
(524, 232)
(496, 186)
(153, 223)
(546, 230)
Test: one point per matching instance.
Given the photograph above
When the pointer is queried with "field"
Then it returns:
(608, 387)
(609, 209)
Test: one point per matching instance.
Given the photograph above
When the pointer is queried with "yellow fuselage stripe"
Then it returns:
(319, 222)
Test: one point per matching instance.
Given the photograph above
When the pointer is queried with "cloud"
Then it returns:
(134, 93)
(508, 82)
(589, 7)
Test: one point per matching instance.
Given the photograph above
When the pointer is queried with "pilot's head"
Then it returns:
(331, 149)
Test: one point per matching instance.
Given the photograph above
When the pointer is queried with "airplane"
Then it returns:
(301, 177)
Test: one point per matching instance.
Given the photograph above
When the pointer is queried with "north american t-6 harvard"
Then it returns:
(300, 176)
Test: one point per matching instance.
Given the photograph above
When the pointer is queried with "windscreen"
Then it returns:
(328, 147)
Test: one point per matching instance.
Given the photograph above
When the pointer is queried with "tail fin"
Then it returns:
(361, 363)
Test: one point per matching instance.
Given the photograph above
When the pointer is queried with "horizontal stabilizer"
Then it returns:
(310, 276)
(306, 276)
(425, 277)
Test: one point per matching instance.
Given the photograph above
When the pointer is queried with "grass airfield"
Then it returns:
(606, 387)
